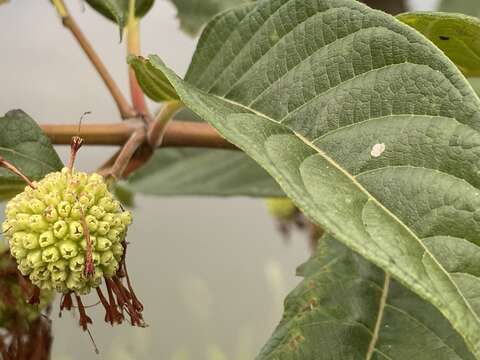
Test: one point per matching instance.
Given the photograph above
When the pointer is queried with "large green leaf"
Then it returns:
(469, 7)
(204, 172)
(117, 10)
(344, 300)
(455, 34)
(365, 124)
(23, 143)
(193, 14)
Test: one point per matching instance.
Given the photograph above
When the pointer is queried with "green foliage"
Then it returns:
(343, 300)
(193, 14)
(367, 126)
(469, 7)
(117, 10)
(202, 172)
(23, 143)
(455, 34)
(154, 84)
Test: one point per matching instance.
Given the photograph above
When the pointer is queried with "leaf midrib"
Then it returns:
(362, 189)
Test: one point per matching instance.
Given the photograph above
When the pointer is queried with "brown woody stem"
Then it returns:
(177, 134)
(126, 111)
(127, 152)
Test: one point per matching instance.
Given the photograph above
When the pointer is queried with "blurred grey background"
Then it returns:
(212, 273)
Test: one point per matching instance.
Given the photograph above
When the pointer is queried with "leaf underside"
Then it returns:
(366, 125)
(23, 144)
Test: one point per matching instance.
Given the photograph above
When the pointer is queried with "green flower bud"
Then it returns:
(21, 221)
(52, 198)
(18, 252)
(86, 199)
(76, 212)
(76, 230)
(114, 235)
(103, 227)
(37, 206)
(126, 217)
(69, 196)
(30, 241)
(97, 211)
(50, 254)
(107, 258)
(92, 223)
(77, 263)
(38, 223)
(34, 259)
(117, 250)
(103, 244)
(68, 249)
(44, 227)
(46, 239)
(50, 214)
(60, 229)
(64, 208)
(58, 266)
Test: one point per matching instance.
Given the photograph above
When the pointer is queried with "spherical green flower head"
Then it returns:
(45, 230)
(13, 303)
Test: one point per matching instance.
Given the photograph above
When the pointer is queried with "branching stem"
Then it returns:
(177, 134)
(12, 168)
(127, 152)
(126, 111)
(157, 129)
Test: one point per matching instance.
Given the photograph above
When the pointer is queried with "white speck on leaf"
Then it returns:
(377, 150)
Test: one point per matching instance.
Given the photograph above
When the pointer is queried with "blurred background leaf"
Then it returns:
(455, 34)
(117, 10)
(193, 14)
(331, 314)
(203, 172)
(469, 7)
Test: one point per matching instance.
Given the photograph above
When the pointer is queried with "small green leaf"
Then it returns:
(456, 34)
(23, 143)
(154, 84)
(345, 308)
(193, 14)
(117, 10)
